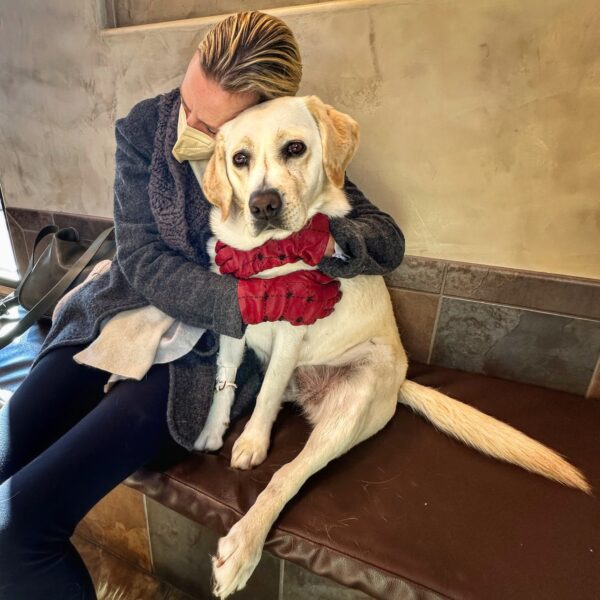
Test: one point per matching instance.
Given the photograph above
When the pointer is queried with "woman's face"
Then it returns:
(207, 105)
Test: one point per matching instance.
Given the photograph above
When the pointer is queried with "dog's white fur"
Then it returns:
(348, 371)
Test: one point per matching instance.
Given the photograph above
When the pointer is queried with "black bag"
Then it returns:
(64, 264)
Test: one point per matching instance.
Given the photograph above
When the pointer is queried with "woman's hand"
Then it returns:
(310, 244)
(301, 298)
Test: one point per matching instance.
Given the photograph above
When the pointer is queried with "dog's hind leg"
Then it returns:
(353, 410)
(250, 449)
(231, 353)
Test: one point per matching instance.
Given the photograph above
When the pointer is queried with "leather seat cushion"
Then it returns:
(411, 513)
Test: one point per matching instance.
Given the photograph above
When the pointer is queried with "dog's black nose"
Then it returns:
(265, 205)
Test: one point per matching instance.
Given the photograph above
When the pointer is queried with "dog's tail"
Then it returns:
(490, 436)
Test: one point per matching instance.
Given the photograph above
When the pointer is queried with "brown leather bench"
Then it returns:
(411, 514)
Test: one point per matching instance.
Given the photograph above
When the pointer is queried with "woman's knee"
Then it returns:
(15, 528)
(17, 514)
(144, 400)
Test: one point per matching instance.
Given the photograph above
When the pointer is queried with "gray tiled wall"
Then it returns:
(523, 345)
(532, 327)
(565, 295)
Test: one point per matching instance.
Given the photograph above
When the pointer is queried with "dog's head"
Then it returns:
(278, 162)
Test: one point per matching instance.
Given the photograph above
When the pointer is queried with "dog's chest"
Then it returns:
(364, 311)
(261, 337)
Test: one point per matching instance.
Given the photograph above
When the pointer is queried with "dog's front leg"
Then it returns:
(231, 352)
(250, 449)
(353, 408)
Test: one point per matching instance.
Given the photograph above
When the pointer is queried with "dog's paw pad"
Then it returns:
(209, 440)
(237, 557)
(249, 451)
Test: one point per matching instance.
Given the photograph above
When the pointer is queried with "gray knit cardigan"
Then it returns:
(161, 229)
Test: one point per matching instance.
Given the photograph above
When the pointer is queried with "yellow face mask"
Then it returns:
(191, 144)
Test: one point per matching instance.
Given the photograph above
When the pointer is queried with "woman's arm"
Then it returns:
(366, 241)
(179, 287)
(370, 239)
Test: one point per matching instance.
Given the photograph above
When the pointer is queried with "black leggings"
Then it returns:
(64, 444)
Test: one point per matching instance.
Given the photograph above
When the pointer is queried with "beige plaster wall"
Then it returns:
(480, 120)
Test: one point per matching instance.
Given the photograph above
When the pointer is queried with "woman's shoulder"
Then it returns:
(138, 127)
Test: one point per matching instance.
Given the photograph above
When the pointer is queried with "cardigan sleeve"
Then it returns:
(371, 240)
(167, 279)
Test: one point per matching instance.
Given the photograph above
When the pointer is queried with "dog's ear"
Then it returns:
(339, 138)
(215, 183)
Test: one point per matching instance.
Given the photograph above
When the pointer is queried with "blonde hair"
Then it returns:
(252, 52)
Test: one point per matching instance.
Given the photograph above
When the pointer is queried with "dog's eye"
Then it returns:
(295, 149)
(240, 159)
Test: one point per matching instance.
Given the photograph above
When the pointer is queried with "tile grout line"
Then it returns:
(524, 308)
(437, 315)
(281, 576)
(595, 377)
(130, 564)
(108, 550)
(496, 303)
(148, 533)
(11, 216)
(413, 290)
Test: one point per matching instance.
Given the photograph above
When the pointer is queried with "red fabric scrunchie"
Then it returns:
(308, 244)
(301, 298)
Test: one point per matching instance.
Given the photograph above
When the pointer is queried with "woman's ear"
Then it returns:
(215, 183)
(339, 138)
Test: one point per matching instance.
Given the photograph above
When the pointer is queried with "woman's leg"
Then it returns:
(54, 396)
(41, 504)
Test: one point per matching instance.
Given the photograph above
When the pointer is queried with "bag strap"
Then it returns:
(42, 233)
(13, 297)
(55, 293)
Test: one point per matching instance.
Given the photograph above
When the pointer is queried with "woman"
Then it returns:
(64, 442)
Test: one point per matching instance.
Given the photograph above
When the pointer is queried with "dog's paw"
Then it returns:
(237, 556)
(211, 438)
(249, 450)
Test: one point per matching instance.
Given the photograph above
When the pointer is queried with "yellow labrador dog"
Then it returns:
(348, 371)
